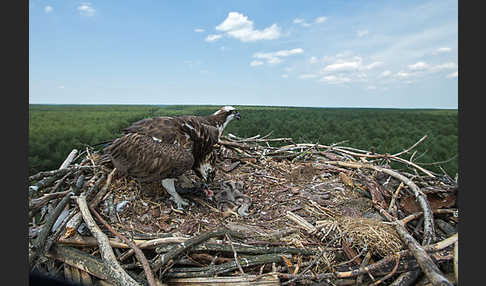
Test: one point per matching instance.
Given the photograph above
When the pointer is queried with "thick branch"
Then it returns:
(116, 273)
(138, 253)
(429, 229)
(180, 248)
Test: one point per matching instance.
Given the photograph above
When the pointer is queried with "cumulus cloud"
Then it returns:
(285, 76)
(238, 26)
(276, 57)
(48, 9)
(419, 66)
(85, 9)
(212, 38)
(198, 30)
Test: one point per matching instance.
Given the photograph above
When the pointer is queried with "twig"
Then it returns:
(235, 255)
(46, 228)
(212, 270)
(394, 270)
(364, 263)
(425, 262)
(138, 253)
(180, 248)
(411, 147)
(394, 197)
(429, 229)
(117, 274)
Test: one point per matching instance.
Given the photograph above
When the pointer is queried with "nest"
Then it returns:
(295, 213)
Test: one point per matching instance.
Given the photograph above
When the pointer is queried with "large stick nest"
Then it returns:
(307, 211)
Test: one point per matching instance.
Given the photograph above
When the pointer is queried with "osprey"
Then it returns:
(164, 148)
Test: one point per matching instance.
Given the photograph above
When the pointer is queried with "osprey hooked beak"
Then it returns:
(237, 115)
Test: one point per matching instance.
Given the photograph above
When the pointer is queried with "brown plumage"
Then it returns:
(163, 148)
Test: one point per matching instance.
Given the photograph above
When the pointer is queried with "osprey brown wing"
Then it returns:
(163, 128)
(149, 158)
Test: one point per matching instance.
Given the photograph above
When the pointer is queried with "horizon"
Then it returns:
(243, 105)
(326, 54)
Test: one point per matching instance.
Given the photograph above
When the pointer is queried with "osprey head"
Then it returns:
(228, 113)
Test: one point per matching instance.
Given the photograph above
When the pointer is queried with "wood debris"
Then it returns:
(282, 214)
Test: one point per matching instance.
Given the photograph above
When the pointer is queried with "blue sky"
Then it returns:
(330, 53)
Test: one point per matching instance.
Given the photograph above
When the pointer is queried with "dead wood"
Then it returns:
(429, 229)
(116, 273)
(46, 228)
(406, 278)
(69, 159)
(180, 248)
(308, 221)
(138, 253)
(223, 268)
(427, 265)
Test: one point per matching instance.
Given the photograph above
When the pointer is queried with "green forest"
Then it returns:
(54, 130)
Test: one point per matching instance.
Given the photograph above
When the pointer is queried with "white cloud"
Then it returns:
(302, 22)
(61, 87)
(238, 26)
(198, 30)
(443, 50)
(332, 79)
(313, 60)
(275, 57)
(444, 66)
(285, 76)
(256, 63)
(402, 74)
(453, 75)
(372, 65)
(48, 9)
(419, 66)
(85, 9)
(309, 75)
(362, 33)
(344, 65)
(298, 21)
(321, 19)
(212, 38)
(385, 73)
(371, 87)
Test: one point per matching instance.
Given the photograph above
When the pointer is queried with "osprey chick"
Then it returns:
(164, 148)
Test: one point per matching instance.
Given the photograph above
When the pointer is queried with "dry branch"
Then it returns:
(116, 274)
(426, 263)
(429, 229)
(138, 253)
(69, 159)
(180, 248)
